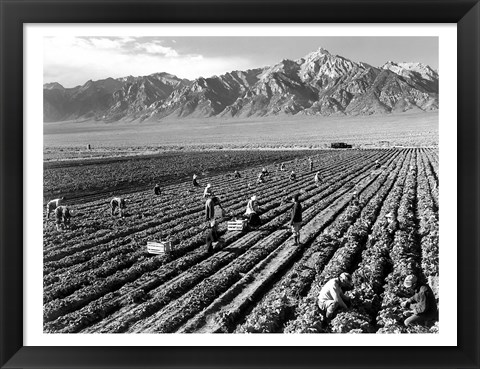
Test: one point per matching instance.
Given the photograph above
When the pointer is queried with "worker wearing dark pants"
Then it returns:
(422, 303)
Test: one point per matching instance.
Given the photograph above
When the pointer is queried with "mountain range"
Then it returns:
(318, 84)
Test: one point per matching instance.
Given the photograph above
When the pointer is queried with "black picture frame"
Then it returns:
(13, 354)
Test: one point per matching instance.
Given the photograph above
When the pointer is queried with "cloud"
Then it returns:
(72, 61)
(156, 48)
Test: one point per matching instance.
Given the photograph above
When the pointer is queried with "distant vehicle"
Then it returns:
(340, 145)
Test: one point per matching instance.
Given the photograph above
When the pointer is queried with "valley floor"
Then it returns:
(415, 129)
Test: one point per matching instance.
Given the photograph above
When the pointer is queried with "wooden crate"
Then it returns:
(159, 247)
(236, 225)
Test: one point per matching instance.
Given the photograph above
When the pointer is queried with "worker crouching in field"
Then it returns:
(296, 218)
(210, 208)
(422, 303)
(53, 204)
(332, 295)
(282, 167)
(156, 189)
(118, 202)
(236, 175)
(354, 199)
(293, 176)
(62, 217)
(212, 238)
(392, 224)
(252, 213)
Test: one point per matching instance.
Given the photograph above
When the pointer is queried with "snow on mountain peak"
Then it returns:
(405, 69)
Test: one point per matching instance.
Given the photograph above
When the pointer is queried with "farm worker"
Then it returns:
(354, 200)
(156, 189)
(53, 204)
(252, 212)
(282, 167)
(296, 218)
(293, 176)
(310, 163)
(212, 236)
(117, 202)
(194, 181)
(208, 192)
(318, 179)
(261, 177)
(236, 175)
(62, 217)
(377, 164)
(265, 171)
(392, 224)
(332, 295)
(422, 303)
(210, 208)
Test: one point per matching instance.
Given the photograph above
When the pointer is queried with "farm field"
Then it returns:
(98, 277)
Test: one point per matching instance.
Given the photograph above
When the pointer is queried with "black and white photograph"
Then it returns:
(241, 184)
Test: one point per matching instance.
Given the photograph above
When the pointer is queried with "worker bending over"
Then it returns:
(53, 204)
(332, 295)
(293, 176)
(210, 208)
(62, 217)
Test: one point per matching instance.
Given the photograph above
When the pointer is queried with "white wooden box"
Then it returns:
(236, 225)
(160, 247)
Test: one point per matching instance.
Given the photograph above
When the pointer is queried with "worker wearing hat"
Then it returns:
(252, 212)
(332, 295)
(422, 303)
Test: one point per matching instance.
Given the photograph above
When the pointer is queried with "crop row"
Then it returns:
(405, 256)
(374, 266)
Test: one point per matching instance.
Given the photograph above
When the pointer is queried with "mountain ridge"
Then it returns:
(318, 84)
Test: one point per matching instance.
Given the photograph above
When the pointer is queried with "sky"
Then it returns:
(71, 61)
